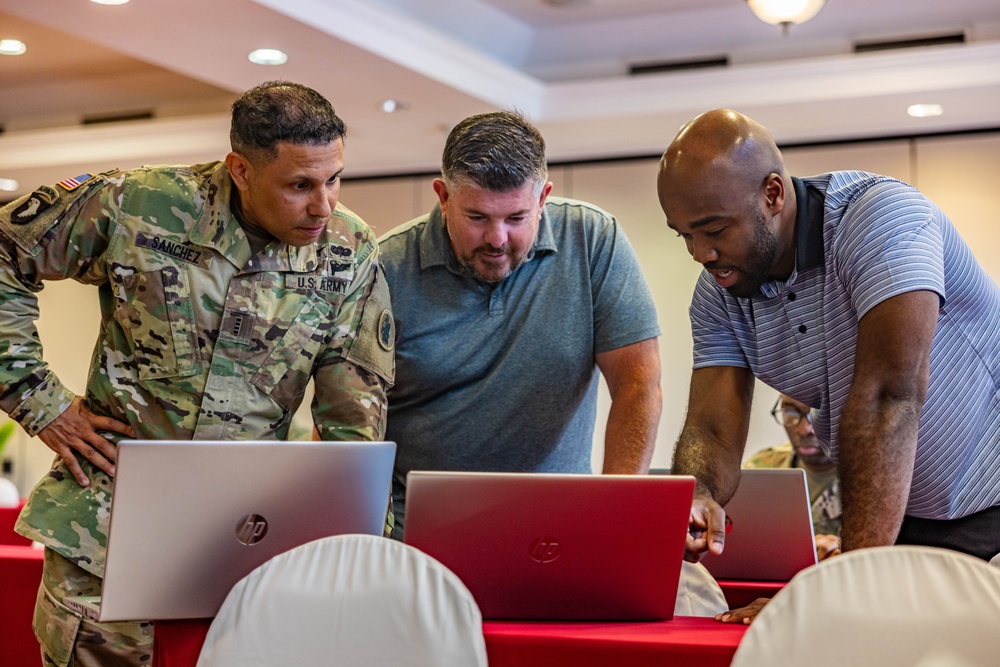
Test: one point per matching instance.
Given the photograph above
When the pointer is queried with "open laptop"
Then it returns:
(771, 536)
(191, 518)
(555, 546)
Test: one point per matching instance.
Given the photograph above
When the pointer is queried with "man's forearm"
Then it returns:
(716, 468)
(350, 403)
(630, 437)
(710, 445)
(878, 442)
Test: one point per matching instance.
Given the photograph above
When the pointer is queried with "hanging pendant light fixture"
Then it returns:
(785, 12)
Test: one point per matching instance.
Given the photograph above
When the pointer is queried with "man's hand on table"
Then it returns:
(827, 546)
(744, 615)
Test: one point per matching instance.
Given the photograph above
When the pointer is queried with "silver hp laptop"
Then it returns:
(771, 536)
(555, 546)
(191, 518)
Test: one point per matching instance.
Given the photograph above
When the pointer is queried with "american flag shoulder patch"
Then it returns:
(73, 183)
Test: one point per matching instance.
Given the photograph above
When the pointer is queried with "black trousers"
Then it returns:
(976, 534)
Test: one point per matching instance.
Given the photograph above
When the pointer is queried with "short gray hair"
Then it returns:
(498, 151)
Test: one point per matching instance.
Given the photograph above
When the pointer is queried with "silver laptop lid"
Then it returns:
(191, 518)
(771, 537)
(555, 546)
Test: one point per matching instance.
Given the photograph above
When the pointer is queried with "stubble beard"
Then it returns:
(469, 268)
(760, 261)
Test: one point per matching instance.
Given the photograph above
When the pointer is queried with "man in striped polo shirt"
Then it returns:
(854, 294)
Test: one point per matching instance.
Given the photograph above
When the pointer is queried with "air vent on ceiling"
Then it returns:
(677, 65)
(934, 40)
(117, 117)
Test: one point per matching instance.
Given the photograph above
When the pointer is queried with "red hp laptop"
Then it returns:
(555, 546)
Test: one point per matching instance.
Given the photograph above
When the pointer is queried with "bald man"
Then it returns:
(852, 293)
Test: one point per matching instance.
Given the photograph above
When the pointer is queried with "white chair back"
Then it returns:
(698, 593)
(347, 600)
(902, 606)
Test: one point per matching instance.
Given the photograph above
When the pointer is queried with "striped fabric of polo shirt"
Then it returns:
(861, 239)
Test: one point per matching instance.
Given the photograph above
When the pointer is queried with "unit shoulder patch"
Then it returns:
(36, 203)
(386, 331)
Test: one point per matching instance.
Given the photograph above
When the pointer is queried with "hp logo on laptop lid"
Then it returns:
(251, 529)
(545, 549)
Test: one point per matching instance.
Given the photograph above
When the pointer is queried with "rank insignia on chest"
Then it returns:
(340, 253)
(298, 281)
(71, 184)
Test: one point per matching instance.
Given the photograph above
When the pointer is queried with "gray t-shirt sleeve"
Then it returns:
(624, 311)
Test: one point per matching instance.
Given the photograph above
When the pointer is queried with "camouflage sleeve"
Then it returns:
(357, 369)
(53, 233)
(772, 457)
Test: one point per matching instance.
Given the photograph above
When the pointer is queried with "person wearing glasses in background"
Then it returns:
(803, 451)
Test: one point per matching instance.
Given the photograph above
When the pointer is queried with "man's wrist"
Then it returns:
(42, 405)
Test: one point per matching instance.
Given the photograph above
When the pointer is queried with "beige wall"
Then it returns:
(962, 176)
(68, 327)
(959, 173)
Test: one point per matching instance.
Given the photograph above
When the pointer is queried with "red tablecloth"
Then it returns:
(742, 593)
(20, 572)
(699, 641)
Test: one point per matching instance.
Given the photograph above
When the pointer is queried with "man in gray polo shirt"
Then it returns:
(507, 303)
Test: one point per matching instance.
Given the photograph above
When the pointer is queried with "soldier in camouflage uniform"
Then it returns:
(224, 288)
(803, 451)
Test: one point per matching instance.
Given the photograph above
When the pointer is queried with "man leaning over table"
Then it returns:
(224, 287)
(509, 304)
(853, 293)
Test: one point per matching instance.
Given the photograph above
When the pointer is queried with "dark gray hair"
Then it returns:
(281, 111)
(498, 151)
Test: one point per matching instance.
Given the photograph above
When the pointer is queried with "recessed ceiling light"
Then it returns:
(12, 47)
(924, 110)
(392, 106)
(268, 57)
(9, 184)
(109, 2)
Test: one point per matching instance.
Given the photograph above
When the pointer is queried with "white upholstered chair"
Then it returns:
(347, 600)
(900, 606)
(698, 593)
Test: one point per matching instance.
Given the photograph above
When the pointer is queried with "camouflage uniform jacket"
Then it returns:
(824, 488)
(198, 339)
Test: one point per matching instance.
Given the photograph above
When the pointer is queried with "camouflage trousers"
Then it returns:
(69, 640)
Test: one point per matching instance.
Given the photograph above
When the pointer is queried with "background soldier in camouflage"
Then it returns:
(224, 288)
(803, 451)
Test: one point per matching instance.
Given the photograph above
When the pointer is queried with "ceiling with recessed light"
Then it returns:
(150, 81)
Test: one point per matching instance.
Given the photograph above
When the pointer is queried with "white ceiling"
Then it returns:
(184, 61)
